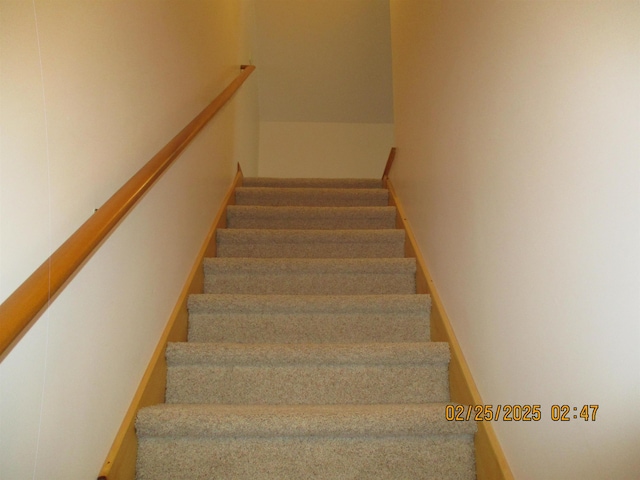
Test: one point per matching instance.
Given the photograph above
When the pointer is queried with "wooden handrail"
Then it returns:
(390, 159)
(24, 304)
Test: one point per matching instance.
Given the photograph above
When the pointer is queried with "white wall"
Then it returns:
(518, 130)
(325, 87)
(89, 91)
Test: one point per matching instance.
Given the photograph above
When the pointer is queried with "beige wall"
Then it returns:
(518, 130)
(89, 91)
(319, 149)
(324, 70)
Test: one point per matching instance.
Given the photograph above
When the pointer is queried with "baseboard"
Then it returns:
(491, 464)
(120, 463)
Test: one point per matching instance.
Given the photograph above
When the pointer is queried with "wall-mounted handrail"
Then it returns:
(390, 159)
(24, 304)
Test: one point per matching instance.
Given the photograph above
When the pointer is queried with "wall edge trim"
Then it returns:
(491, 463)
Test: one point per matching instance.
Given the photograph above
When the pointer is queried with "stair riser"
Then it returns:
(416, 458)
(311, 182)
(312, 250)
(308, 384)
(326, 219)
(310, 223)
(388, 243)
(308, 328)
(298, 421)
(294, 197)
(311, 284)
(267, 243)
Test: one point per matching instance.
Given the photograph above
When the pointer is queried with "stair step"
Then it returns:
(380, 442)
(312, 182)
(246, 421)
(310, 243)
(310, 276)
(309, 319)
(307, 373)
(315, 197)
(309, 354)
(338, 218)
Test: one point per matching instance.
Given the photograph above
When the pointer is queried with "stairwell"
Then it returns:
(309, 353)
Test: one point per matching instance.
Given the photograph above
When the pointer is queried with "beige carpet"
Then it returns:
(309, 353)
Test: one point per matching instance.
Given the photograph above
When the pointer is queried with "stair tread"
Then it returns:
(268, 355)
(273, 304)
(201, 420)
(272, 266)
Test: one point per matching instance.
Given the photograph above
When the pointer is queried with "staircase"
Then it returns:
(309, 354)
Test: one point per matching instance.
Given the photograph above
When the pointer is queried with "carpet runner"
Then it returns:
(309, 353)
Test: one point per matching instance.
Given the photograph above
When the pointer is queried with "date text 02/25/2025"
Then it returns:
(518, 413)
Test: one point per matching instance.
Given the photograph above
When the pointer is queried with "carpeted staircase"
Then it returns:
(309, 354)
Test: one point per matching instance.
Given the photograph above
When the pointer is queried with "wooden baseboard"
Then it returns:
(491, 464)
(120, 463)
